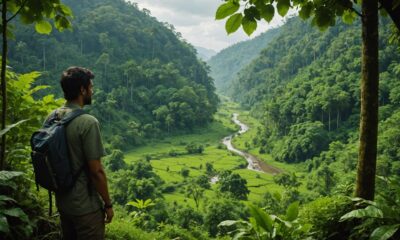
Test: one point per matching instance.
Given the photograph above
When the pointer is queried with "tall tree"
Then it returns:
(324, 14)
(30, 12)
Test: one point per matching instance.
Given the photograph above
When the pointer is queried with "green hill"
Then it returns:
(227, 63)
(148, 80)
(304, 87)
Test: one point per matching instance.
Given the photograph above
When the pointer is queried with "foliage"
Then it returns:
(148, 82)
(185, 172)
(38, 12)
(138, 181)
(140, 216)
(219, 210)
(123, 229)
(29, 111)
(13, 220)
(26, 217)
(187, 217)
(115, 161)
(203, 181)
(380, 218)
(196, 192)
(303, 141)
(168, 231)
(264, 226)
(193, 148)
(234, 184)
(324, 214)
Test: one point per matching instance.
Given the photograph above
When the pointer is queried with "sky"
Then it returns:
(195, 20)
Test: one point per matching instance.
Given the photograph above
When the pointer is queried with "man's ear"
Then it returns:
(83, 90)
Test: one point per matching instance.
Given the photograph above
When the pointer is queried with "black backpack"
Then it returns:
(50, 155)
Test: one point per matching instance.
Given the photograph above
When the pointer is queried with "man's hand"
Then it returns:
(109, 215)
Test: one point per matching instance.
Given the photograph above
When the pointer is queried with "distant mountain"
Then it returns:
(204, 53)
(227, 63)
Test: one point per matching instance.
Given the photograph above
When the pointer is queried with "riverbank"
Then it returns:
(254, 163)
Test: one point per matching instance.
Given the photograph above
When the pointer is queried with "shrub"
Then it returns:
(122, 229)
(173, 153)
(185, 172)
(324, 214)
(193, 148)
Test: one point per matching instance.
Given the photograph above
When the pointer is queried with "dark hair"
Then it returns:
(73, 79)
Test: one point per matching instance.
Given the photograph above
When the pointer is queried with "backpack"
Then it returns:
(50, 154)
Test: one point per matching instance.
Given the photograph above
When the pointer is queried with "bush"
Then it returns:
(324, 214)
(185, 172)
(115, 161)
(173, 153)
(193, 148)
(122, 229)
(175, 232)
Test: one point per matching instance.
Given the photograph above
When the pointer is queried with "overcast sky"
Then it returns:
(194, 19)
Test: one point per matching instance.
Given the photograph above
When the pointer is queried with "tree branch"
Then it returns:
(358, 13)
(22, 6)
(393, 13)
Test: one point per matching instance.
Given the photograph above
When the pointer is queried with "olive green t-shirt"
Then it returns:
(84, 144)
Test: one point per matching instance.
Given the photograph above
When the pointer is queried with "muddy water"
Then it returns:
(253, 162)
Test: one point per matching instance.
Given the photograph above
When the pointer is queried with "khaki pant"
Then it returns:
(85, 227)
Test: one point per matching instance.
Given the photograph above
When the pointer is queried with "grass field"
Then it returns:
(169, 167)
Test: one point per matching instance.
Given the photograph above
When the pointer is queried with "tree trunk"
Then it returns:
(369, 102)
(329, 120)
(3, 84)
(337, 119)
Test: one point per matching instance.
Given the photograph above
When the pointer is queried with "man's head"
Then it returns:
(77, 85)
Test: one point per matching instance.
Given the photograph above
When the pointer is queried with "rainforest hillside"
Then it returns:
(148, 80)
(227, 63)
(305, 88)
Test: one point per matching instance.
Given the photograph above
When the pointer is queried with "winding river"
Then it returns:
(254, 163)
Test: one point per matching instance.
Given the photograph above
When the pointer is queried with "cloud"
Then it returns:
(195, 21)
(186, 7)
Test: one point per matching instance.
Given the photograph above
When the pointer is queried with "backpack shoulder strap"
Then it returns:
(71, 116)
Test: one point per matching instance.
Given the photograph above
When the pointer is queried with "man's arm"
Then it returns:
(99, 179)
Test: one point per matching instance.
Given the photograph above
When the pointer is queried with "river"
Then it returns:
(255, 163)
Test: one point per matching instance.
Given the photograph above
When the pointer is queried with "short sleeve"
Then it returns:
(92, 144)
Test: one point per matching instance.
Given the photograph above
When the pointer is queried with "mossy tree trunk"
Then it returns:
(369, 102)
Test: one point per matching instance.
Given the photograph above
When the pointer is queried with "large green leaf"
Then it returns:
(66, 10)
(249, 25)
(292, 211)
(7, 175)
(262, 218)
(283, 7)
(226, 9)
(267, 12)
(233, 23)
(228, 223)
(349, 16)
(16, 212)
(305, 11)
(43, 27)
(384, 232)
(4, 198)
(9, 127)
(4, 224)
(369, 212)
(242, 236)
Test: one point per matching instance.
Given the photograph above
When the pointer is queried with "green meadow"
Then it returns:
(161, 155)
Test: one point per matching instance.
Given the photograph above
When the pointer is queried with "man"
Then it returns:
(86, 208)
